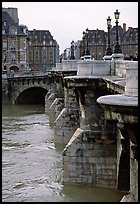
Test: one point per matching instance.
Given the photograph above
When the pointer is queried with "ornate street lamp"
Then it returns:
(117, 48)
(87, 36)
(72, 51)
(83, 44)
(109, 50)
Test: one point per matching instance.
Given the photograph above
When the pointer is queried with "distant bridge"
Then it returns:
(31, 88)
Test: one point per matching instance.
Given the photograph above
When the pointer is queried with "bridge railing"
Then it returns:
(26, 73)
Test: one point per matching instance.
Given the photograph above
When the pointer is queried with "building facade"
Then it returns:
(43, 50)
(14, 42)
(97, 42)
(23, 49)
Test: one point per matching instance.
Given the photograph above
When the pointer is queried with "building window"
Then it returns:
(4, 23)
(13, 44)
(3, 32)
(51, 57)
(13, 57)
(13, 31)
(4, 45)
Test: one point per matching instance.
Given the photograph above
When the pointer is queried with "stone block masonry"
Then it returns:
(92, 163)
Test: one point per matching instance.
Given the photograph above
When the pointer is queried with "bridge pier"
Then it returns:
(68, 120)
(5, 92)
(91, 153)
(54, 102)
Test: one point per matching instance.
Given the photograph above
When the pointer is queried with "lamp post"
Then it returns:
(87, 52)
(117, 48)
(83, 44)
(108, 55)
(109, 50)
(72, 51)
(117, 53)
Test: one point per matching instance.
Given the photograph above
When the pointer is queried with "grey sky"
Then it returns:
(67, 20)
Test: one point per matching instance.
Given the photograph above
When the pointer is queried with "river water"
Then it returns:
(32, 169)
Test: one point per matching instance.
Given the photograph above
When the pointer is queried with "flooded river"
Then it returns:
(32, 169)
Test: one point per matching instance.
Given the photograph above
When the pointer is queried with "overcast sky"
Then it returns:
(67, 20)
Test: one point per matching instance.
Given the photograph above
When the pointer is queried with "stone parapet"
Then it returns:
(120, 69)
(66, 65)
(93, 67)
(131, 88)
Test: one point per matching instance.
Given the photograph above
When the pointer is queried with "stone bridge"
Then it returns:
(94, 114)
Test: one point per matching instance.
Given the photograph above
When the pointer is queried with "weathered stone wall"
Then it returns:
(68, 120)
(120, 69)
(54, 101)
(131, 88)
(89, 159)
(133, 172)
(123, 108)
(5, 92)
(91, 154)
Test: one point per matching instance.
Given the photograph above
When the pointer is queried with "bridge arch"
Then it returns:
(32, 95)
(15, 68)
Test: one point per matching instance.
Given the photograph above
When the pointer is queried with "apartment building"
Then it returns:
(14, 42)
(23, 49)
(43, 50)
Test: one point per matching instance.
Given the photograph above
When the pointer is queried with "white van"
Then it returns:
(87, 57)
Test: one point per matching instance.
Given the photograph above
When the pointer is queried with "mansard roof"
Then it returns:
(41, 35)
(96, 34)
(131, 32)
(7, 22)
(6, 18)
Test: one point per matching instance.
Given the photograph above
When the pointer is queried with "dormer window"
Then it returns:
(13, 30)
(4, 23)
